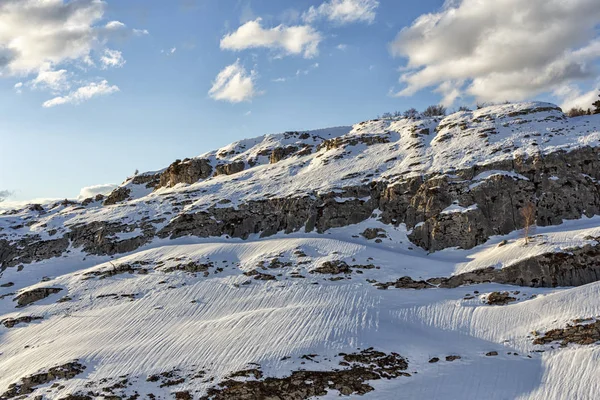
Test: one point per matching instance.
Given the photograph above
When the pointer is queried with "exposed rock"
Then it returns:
(31, 296)
(332, 267)
(11, 322)
(230, 169)
(353, 140)
(453, 358)
(583, 334)
(361, 367)
(149, 180)
(491, 353)
(118, 195)
(27, 384)
(374, 233)
(260, 276)
(280, 153)
(500, 298)
(406, 282)
(186, 171)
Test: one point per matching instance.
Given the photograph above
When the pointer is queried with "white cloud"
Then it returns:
(234, 84)
(499, 50)
(140, 32)
(301, 39)
(93, 191)
(342, 47)
(36, 33)
(112, 58)
(279, 80)
(82, 94)
(574, 98)
(18, 87)
(343, 11)
(42, 39)
(52, 80)
(114, 25)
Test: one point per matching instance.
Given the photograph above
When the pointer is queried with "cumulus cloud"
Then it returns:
(52, 80)
(92, 191)
(573, 97)
(112, 58)
(499, 50)
(83, 93)
(296, 40)
(343, 11)
(34, 33)
(42, 38)
(234, 84)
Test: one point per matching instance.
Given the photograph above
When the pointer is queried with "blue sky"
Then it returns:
(114, 86)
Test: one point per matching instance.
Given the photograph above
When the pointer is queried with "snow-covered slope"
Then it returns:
(95, 302)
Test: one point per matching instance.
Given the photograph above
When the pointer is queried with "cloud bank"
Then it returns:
(501, 49)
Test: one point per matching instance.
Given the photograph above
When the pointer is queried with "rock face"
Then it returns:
(571, 267)
(230, 169)
(31, 296)
(186, 171)
(118, 195)
(561, 185)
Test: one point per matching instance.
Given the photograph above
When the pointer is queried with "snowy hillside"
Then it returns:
(380, 261)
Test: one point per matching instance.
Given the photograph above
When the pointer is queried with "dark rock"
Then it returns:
(187, 171)
(230, 169)
(118, 195)
(31, 296)
(27, 384)
(11, 322)
(500, 298)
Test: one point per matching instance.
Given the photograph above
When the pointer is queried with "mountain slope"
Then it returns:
(383, 260)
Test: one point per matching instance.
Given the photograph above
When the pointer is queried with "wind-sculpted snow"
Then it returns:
(194, 307)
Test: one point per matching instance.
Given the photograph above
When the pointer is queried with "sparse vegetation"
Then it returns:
(434, 111)
(577, 112)
(528, 214)
(596, 105)
(411, 113)
(463, 108)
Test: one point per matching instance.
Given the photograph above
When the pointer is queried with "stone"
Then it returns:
(31, 296)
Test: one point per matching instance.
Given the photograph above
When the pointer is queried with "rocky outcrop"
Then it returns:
(357, 370)
(570, 267)
(33, 295)
(353, 140)
(149, 180)
(580, 333)
(267, 217)
(230, 169)
(28, 384)
(561, 186)
(30, 249)
(187, 171)
(118, 195)
(12, 322)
